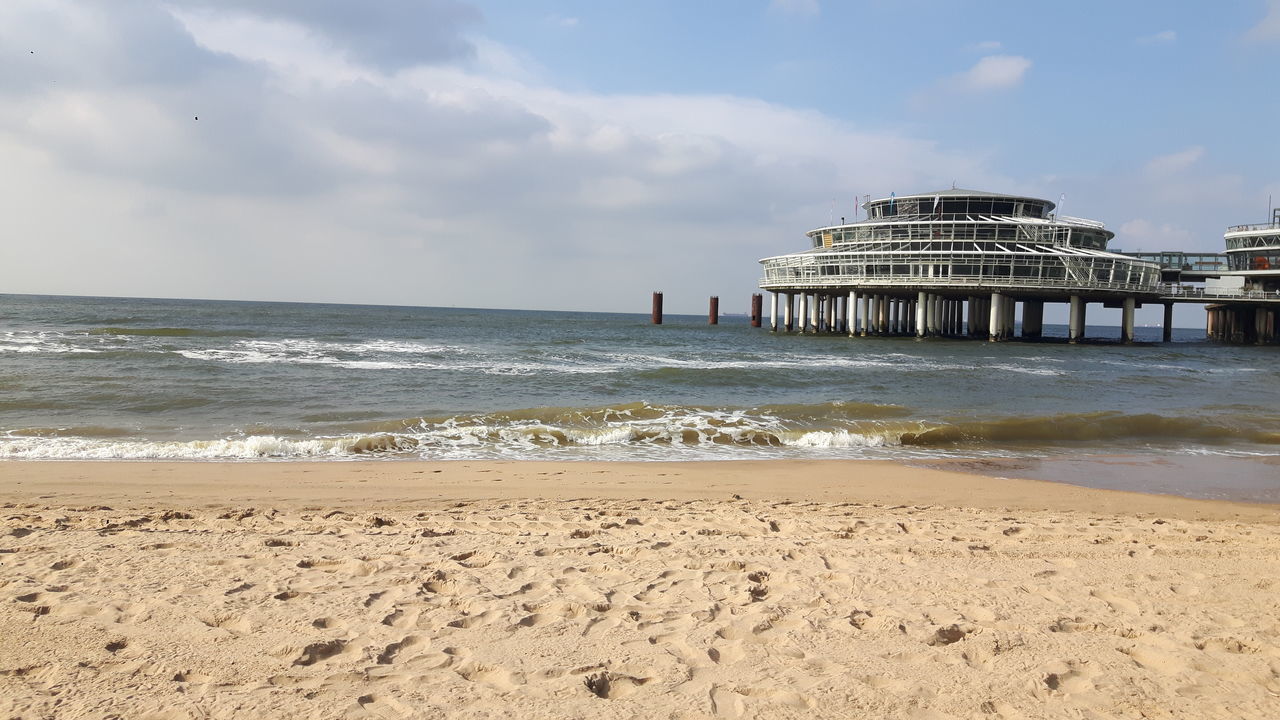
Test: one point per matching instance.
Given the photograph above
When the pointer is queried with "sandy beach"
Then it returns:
(699, 590)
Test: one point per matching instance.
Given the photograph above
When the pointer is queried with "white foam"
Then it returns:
(837, 439)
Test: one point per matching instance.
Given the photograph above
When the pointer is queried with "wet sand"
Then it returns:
(744, 589)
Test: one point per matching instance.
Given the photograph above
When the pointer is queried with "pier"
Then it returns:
(963, 263)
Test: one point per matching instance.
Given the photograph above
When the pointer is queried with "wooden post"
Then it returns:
(657, 308)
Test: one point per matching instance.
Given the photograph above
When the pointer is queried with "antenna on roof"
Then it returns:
(953, 184)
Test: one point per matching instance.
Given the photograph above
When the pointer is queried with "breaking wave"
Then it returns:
(644, 431)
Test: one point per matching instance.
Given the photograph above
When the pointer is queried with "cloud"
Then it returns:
(388, 34)
(808, 8)
(987, 46)
(1268, 28)
(562, 21)
(314, 175)
(1161, 38)
(1174, 162)
(1141, 234)
(995, 72)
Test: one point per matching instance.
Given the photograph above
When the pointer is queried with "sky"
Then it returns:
(580, 154)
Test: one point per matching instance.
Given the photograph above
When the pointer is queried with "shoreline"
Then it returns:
(980, 484)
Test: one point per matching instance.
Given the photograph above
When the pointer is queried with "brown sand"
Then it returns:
(770, 589)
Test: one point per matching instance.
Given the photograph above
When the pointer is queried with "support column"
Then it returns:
(922, 304)
(802, 315)
(814, 317)
(995, 320)
(831, 313)
(1166, 329)
(788, 312)
(773, 312)
(842, 313)
(1126, 320)
(1011, 317)
(713, 311)
(882, 310)
(852, 320)
(1075, 320)
(864, 312)
(1032, 319)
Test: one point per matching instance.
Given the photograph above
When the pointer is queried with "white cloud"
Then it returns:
(1160, 38)
(1141, 234)
(796, 7)
(995, 72)
(374, 182)
(564, 22)
(1268, 28)
(1174, 162)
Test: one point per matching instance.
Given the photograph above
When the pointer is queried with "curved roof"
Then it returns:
(961, 192)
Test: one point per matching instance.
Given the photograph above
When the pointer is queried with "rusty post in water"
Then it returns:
(713, 314)
(757, 309)
(657, 308)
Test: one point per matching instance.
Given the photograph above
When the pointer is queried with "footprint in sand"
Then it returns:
(726, 653)
(233, 623)
(395, 649)
(492, 676)
(1117, 603)
(319, 652)
(474, 559)
(381, 706)
(1070, 678)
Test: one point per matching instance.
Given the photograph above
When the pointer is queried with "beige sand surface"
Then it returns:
(810, 589)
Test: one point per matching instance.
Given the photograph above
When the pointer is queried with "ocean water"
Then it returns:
(106, 378)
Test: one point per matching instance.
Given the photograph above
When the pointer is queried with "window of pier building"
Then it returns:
(1268, 260)
(1253, 241)
(957, 208)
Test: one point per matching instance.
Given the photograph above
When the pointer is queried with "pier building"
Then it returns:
(1252, 260)
(959, 263)
(955, 263)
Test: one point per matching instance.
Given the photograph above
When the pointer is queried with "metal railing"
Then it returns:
(1174, 290)
(1256, 226)
(1079, 221)
(1039, 272)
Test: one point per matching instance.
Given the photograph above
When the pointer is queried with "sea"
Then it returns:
(111, 378)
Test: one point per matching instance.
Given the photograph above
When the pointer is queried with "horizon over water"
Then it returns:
(118, 378)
